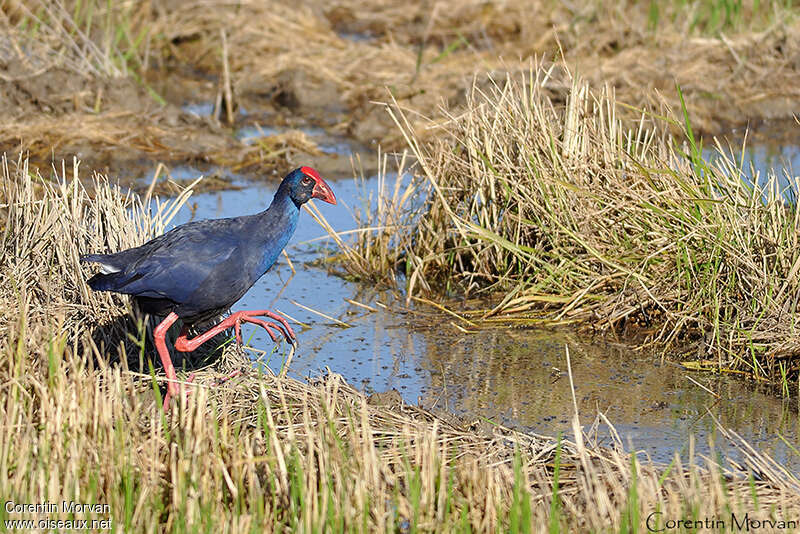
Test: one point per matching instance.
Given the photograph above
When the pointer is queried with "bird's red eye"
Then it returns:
(306, 180)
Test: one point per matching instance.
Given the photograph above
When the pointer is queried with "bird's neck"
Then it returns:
(271, 232)
(283, 203)
(278, 221)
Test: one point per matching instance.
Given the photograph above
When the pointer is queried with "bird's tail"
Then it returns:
(106, 279)
(93, 258)
(106, 266)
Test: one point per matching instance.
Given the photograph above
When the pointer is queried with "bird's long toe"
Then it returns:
(283, 327)
(288, 336)
(266, 325)
(287, 329)
(229, 376)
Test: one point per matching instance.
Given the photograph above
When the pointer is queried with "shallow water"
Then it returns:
(772, 147)
(512, 376)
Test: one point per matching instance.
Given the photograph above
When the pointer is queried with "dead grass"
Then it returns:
(423, 53)
(261, 453)
(279, 455)
(562, 213)
(265, 454)
(75, 81)
(328, 64)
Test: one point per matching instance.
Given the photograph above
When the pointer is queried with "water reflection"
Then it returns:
(519, 377)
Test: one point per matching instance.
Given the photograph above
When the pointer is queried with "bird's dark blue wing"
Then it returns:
(172, 266)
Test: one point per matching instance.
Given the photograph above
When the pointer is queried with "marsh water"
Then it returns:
(773, 147)
(507, 375)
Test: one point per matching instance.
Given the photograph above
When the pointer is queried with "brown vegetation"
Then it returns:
(597, 225)
(268, 454)
(566, 216)
(105, 79)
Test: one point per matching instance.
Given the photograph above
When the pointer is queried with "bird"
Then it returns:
(199, 270)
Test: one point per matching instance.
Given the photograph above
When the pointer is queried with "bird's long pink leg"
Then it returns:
(161, 346)
(184, 344)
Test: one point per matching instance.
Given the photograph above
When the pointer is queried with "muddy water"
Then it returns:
(513, 376)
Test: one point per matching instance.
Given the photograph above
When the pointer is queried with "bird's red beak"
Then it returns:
(321, 190)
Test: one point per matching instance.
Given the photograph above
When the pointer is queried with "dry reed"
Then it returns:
(260, 453)
(331, 61)
(565, 214)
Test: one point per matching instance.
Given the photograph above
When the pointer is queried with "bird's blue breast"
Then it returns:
(278, 236)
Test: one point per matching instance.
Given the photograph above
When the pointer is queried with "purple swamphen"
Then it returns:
(198, 270)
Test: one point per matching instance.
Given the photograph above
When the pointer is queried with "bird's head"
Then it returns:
(304, 184)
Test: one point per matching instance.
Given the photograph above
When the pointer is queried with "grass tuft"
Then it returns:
(559, 212)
